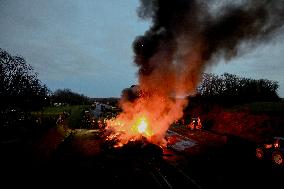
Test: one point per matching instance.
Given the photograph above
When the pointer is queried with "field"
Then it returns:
(271, 108)
(74, 113)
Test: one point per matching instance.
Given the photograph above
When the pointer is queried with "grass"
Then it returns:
(75, 113)
(50, 111)
(76, 116)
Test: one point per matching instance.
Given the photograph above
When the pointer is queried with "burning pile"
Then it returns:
(185, 37)
(146, 117)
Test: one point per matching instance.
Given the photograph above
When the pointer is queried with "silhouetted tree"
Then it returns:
(229, 87)
(19, 85)
(69, 97)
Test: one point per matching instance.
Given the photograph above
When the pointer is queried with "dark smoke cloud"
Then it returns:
(130, 94)
(180, 26)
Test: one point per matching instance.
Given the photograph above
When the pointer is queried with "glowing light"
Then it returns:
(142, 126)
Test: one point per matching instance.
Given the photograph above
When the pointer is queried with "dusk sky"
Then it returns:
(87, 45)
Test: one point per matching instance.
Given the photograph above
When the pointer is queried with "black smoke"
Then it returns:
(220, 30)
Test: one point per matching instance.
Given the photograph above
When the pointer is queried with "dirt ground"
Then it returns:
(204, 161)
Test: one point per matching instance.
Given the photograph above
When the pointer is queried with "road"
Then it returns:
(186, 163)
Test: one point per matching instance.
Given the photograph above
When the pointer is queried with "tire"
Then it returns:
(277, 158)
(259, 153)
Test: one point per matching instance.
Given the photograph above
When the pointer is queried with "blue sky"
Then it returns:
(87, 45)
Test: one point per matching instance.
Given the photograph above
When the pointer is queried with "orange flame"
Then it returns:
(148, 117)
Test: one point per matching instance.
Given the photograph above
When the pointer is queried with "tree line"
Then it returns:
(67, 96)
(227, 87)
(21, 88)
(22, 92)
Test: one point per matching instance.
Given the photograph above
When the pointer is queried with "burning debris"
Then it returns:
(185, 37)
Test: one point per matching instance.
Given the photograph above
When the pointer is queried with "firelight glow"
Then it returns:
(143, 127)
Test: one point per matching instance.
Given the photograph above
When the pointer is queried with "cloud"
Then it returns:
(62, 40)
(265, 61)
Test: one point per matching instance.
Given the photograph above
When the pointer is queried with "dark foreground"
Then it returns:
(80, 160)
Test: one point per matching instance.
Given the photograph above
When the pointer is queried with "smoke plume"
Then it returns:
(184, 38)
(187, 35)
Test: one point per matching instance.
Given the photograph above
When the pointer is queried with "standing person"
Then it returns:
(198, 125)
